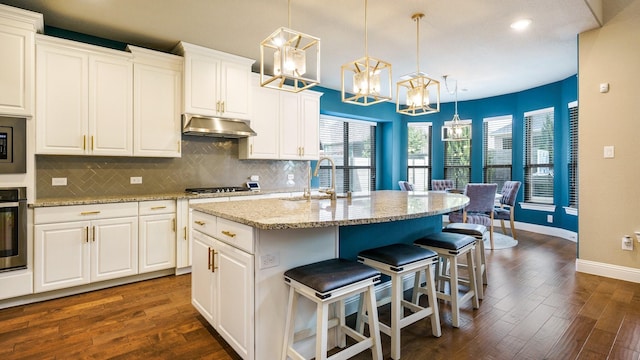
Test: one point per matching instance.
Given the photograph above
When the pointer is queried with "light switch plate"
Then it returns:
(609, 152)
(59, 181)
(135, 180)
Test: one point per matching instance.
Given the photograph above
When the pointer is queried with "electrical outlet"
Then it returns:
(290, 176)
(269, 260)
(627, 243)
(59, 181)
(549, 218)
(135, 180)
(254, 178)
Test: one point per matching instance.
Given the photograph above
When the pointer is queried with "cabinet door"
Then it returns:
(183, 247)
(289, 126)
(16, 71)
(235, 89)
(235, 298)
(310, 118)
(61, 255)
(110, 106)
(203, 279)
(157, 130)
(62, 101)
(202, 79)
(157, 242)
(114, 250)
(265, 122)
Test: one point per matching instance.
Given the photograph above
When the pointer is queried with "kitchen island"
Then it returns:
(241, 250)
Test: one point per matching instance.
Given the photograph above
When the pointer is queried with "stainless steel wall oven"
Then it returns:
(13, 228)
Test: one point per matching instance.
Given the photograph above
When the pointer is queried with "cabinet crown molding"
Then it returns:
(20, 18)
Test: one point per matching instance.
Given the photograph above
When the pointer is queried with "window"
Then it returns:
(497, 149)
(351, 145)
(538, 172)
(419, 155)
(573, 155)
(457, 158)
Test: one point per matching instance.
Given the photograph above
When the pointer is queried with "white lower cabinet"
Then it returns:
(76, 245)
(157, 224)
(183, 240)
(223, 279)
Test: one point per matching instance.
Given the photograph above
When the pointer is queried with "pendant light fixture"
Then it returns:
(368, 79)
(414, 91)
(455, 129)
(296, 59)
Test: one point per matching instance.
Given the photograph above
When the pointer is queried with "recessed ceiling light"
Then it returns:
(521, 24)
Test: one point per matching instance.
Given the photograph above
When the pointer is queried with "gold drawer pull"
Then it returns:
(228, 233)
(201, 223)
(158, 207)
(90, 212)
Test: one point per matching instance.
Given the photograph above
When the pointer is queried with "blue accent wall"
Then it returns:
(392, 138)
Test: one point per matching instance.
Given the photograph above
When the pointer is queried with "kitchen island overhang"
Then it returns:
(285, 233)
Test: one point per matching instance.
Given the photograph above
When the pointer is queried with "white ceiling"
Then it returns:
(470, 40)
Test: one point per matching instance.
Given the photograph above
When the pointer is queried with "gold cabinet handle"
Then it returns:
(185, 233)
(218, 106)
(302, 150)
(90, 213)
(228, 233)
(86, 234)
(223, 106)
(91, 142)
(201, 223)
(212, 260)
(173, 225)
(208, 258)
(251, 149)
(84, 142)
(158, 207)
(94, 234)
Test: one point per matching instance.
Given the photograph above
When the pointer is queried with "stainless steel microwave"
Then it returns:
(13, 145)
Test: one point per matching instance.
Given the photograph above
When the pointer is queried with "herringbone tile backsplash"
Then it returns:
(204, 162)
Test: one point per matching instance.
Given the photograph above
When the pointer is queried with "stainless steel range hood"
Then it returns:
(215, 127)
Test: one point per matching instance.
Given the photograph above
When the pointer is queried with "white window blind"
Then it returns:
(351, 145)
(497, 149)
(573, 155)
(538, 132)
(419, 155)
(457, 161)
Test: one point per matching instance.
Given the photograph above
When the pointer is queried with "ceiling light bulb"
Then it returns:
(366, 82)
(417, 97)
(521, 24)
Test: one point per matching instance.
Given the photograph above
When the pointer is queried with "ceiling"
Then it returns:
(469, 40)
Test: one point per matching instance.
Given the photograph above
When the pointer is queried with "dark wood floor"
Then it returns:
(536, 307)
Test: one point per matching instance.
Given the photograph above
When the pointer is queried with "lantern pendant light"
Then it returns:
(366, 81)
(417, 88)
(296, 59)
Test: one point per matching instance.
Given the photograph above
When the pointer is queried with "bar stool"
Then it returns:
(396, 261)
(450, 247)
(325, 283)
(479, 232)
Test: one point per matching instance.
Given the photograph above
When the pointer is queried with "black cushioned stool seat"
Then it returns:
(450, 247)
(325, 283)
(479, 232)
(396, 261)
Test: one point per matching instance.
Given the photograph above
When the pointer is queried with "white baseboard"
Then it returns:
(608, 270)
(540, 229)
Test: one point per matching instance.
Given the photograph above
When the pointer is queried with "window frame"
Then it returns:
(529, 166)
(449, 169)
(485, 137)
(411, 169)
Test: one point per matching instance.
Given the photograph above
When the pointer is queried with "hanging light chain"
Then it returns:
(366, 38)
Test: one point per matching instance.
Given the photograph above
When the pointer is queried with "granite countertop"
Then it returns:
(149, 197)
(297, 213)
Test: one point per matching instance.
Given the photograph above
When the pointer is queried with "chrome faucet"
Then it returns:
(331, 191)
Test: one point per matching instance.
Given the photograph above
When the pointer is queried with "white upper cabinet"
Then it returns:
(17, 63)
(299, 125)
(215, 83)
(84, 99)
(265, 122)
(157, 79)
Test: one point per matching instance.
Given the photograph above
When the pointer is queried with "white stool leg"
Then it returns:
(361, 314)
(374, 328)
(472, 279)
(289, 325)
(396, 315)
(433, 302)
(322, 328)
(342, 337)
(478, 268)
(453, 287)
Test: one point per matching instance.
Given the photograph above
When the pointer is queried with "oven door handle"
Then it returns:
(9, 204)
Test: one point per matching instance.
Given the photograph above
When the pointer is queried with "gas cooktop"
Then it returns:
(212, 190)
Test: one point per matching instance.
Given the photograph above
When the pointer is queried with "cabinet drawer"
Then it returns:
(235, 234)
(157, 207)
(204, 223)
(84, 212)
